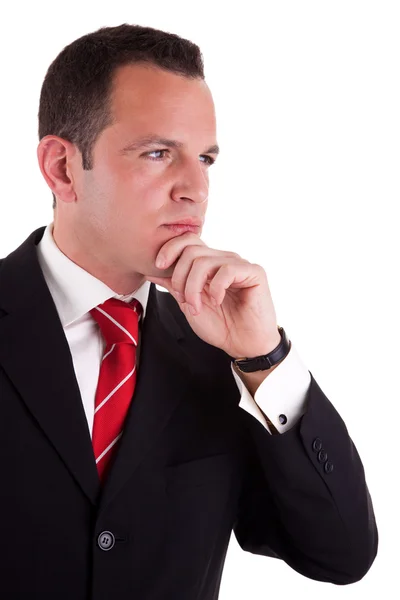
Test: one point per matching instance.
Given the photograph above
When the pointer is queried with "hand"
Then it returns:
(242, 322)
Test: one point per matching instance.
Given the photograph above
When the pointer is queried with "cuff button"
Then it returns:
(317, 444)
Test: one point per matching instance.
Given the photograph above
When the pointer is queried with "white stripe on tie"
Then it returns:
(114, 390)
(117, 324)
(108, 448)
(109, 352)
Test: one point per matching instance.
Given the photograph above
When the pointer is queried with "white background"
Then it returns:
(307, 184)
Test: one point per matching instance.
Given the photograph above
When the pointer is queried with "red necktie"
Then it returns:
(119, 324)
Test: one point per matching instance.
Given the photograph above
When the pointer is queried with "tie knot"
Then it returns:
(118, 320)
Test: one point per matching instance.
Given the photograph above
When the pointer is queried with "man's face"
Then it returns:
(126, 198)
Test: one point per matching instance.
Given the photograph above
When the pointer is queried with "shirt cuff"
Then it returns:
(283, 393)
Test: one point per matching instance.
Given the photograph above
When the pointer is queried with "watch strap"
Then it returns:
(265, 361)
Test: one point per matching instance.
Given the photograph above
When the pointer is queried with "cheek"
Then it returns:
(112, 180)
(133, 199)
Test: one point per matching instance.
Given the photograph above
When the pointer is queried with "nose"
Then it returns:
(192, 182)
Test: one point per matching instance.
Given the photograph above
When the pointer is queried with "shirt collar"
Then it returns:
(75, 291)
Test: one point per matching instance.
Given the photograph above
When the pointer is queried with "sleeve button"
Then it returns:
(317, 444)
(328, 467)
(322, 455)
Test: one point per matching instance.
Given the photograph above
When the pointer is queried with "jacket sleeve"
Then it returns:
(305, 499)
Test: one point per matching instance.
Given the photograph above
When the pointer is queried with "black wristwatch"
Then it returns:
(265, 361)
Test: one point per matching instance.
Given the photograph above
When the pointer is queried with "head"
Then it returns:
(103, 97)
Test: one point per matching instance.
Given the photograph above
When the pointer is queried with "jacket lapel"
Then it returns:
(35, 355)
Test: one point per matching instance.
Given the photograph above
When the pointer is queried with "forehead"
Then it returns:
(143, 93)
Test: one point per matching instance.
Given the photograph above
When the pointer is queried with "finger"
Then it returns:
(163, 281)
(166, 283)
(171, 250)
(204, 268)
(186, 260)
(235, 275)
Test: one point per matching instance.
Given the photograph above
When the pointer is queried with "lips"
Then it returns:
(179, 228)
(193, 221)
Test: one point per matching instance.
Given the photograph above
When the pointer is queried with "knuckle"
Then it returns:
(229, 267)
(191, 251)
(199, 260)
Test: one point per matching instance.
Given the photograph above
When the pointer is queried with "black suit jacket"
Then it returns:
(191, 467)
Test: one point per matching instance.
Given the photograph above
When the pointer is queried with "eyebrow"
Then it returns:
(155, 140)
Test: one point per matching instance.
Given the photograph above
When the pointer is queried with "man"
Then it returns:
(140, 427)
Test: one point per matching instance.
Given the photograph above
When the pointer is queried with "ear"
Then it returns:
(55, 161)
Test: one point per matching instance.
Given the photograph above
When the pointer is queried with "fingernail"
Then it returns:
(192, 309)
(160, 262)
(180, 296)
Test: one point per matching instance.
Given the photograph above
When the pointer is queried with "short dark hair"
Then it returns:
(75, 98)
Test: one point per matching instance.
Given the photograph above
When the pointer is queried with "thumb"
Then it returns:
(163, 281)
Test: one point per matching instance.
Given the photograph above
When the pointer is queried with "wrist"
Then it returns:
(264, 362)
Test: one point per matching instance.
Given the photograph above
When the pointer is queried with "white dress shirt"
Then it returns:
(75, 292)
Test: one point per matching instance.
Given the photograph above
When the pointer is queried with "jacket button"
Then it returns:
(322, 455)
(106, 540)
(282, 419)
(328, 467)
(317, 445)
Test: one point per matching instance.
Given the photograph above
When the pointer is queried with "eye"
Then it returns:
(209, 160)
